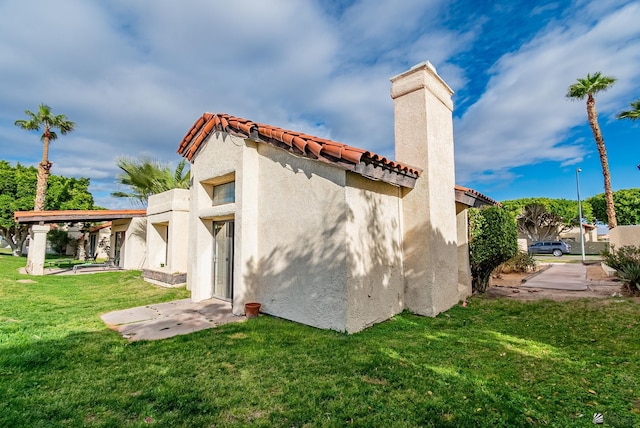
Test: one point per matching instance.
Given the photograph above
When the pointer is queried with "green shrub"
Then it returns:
(520, 263)
(493, 239)
(59, 240)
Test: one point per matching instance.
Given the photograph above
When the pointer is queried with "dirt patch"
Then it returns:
(509, 285)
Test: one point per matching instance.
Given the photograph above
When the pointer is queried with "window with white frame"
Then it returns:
(224, 193)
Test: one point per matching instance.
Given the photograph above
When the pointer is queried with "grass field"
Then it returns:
(492, 363)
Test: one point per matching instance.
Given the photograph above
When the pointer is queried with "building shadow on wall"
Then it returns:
(352, 273)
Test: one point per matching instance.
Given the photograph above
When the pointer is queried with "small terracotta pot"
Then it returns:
(252, 309)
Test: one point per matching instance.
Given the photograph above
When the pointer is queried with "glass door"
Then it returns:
(223, 259)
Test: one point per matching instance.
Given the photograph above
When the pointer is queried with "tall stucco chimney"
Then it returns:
(424, 138)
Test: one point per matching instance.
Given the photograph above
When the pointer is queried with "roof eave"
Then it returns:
(64, 216)
(473, 199)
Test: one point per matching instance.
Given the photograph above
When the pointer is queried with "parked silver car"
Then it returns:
(557, 248)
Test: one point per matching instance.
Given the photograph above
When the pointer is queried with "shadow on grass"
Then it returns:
(462, 368)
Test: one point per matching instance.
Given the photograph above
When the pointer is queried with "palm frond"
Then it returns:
(633, 114)
(592, 84)
(146, 177)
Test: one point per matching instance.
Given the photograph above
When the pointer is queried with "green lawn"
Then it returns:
(568, 258)
(491, 363)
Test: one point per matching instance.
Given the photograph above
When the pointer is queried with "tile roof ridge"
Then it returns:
(300, 143)
(477, 194)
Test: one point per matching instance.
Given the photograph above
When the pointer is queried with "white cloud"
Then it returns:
(135, 75)
(524, 117)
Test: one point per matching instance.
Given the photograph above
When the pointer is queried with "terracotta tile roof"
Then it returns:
(100, 226)
(74, 215)
(473, 197)
(352, 158)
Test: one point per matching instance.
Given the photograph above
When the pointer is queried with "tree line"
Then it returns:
(18, 193)
(543, 219)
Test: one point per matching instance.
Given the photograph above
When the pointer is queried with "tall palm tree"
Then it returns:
(146, 177)
(633, 114)
(46, 122)
(588, 88)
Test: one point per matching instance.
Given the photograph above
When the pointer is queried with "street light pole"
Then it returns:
(578, 170)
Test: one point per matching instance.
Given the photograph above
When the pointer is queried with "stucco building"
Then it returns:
(327, 234)
(317, 231)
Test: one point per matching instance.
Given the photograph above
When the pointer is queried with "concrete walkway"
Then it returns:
(560, 276)
(163, 320)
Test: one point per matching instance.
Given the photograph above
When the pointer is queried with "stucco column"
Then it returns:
(464, 267)
(246, 229)
(424, 138)
(37, 249)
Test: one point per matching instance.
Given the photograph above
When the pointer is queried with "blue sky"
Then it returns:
(134, 76)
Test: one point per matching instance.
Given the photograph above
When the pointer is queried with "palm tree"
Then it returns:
(46, 122)
(633, 114)
(588, 88)
(146, 177)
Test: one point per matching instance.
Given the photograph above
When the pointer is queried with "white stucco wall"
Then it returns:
(424, 138)
(464, 265)
(301, 269)
(625, 235)
(102, 235)
(590, 235)
(168, 213)
(133, 252)
(219, 161)
(375, 283)
(313, 243)
(73, 232)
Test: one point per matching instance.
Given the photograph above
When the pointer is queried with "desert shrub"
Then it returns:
(520, 263)
(626, 262)
(630, 275)
(628, 254)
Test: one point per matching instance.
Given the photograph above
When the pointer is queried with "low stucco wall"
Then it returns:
(171, 200)
(625, 235)
(589, 247)
(164, 279)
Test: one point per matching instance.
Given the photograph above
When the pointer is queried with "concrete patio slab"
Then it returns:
(163, 320)
(561, 276)
(130, 316)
